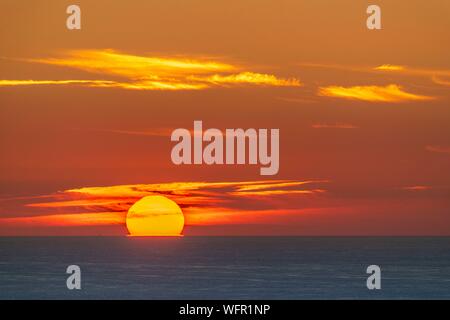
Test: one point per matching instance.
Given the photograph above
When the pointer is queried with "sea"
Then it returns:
(225, 267)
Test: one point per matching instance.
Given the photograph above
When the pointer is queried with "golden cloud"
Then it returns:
(389, 93)
(133, 66)
(438, 76)
(91, 83)
(412, 70)
(389, 67)
(207, 202)
(252, 78)
(154, 73)
(74, 219)
(434, 74)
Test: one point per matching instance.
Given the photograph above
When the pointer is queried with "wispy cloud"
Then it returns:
(394, 68)
(440, 81)
(299, 100)
(156, 132)
(434, 74)
(438, 149)
(278, 188)
(390, 67)
(251, 78)
(412, 70)
(200, 201)
(134, 66)
(280, 192)
(337, 125)
(74, 219)
(90, 83)
(438, 76)
(153, 72)
(389, 93)
(417, 188)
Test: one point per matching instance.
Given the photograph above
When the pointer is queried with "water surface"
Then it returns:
(224, 267)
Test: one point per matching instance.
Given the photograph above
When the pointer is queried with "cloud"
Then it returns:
(389, 93)
(440, 81)
(74, 219)
(264, 185)
(389, 67)
(111, 204)
(157, 132)
(411, 70)
(299, 100)
(206, 201)
(408, 70)
(417, 188)
(337, 125)
(133, 66)
(90, 83)
(281, 192)
(336, 67)
(435, 75)
(278, 188)
(224, 216)
(252, 78)
(438, 149)
(153, 72)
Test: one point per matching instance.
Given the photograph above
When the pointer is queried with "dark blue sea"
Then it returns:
(225, 267)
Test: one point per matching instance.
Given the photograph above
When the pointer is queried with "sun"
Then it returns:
(155, 216)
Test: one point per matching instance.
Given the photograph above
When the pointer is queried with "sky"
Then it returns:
(86, 115)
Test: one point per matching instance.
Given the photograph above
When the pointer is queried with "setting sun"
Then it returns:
(155, 216)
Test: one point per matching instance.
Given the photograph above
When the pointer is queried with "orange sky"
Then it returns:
(86, 116)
